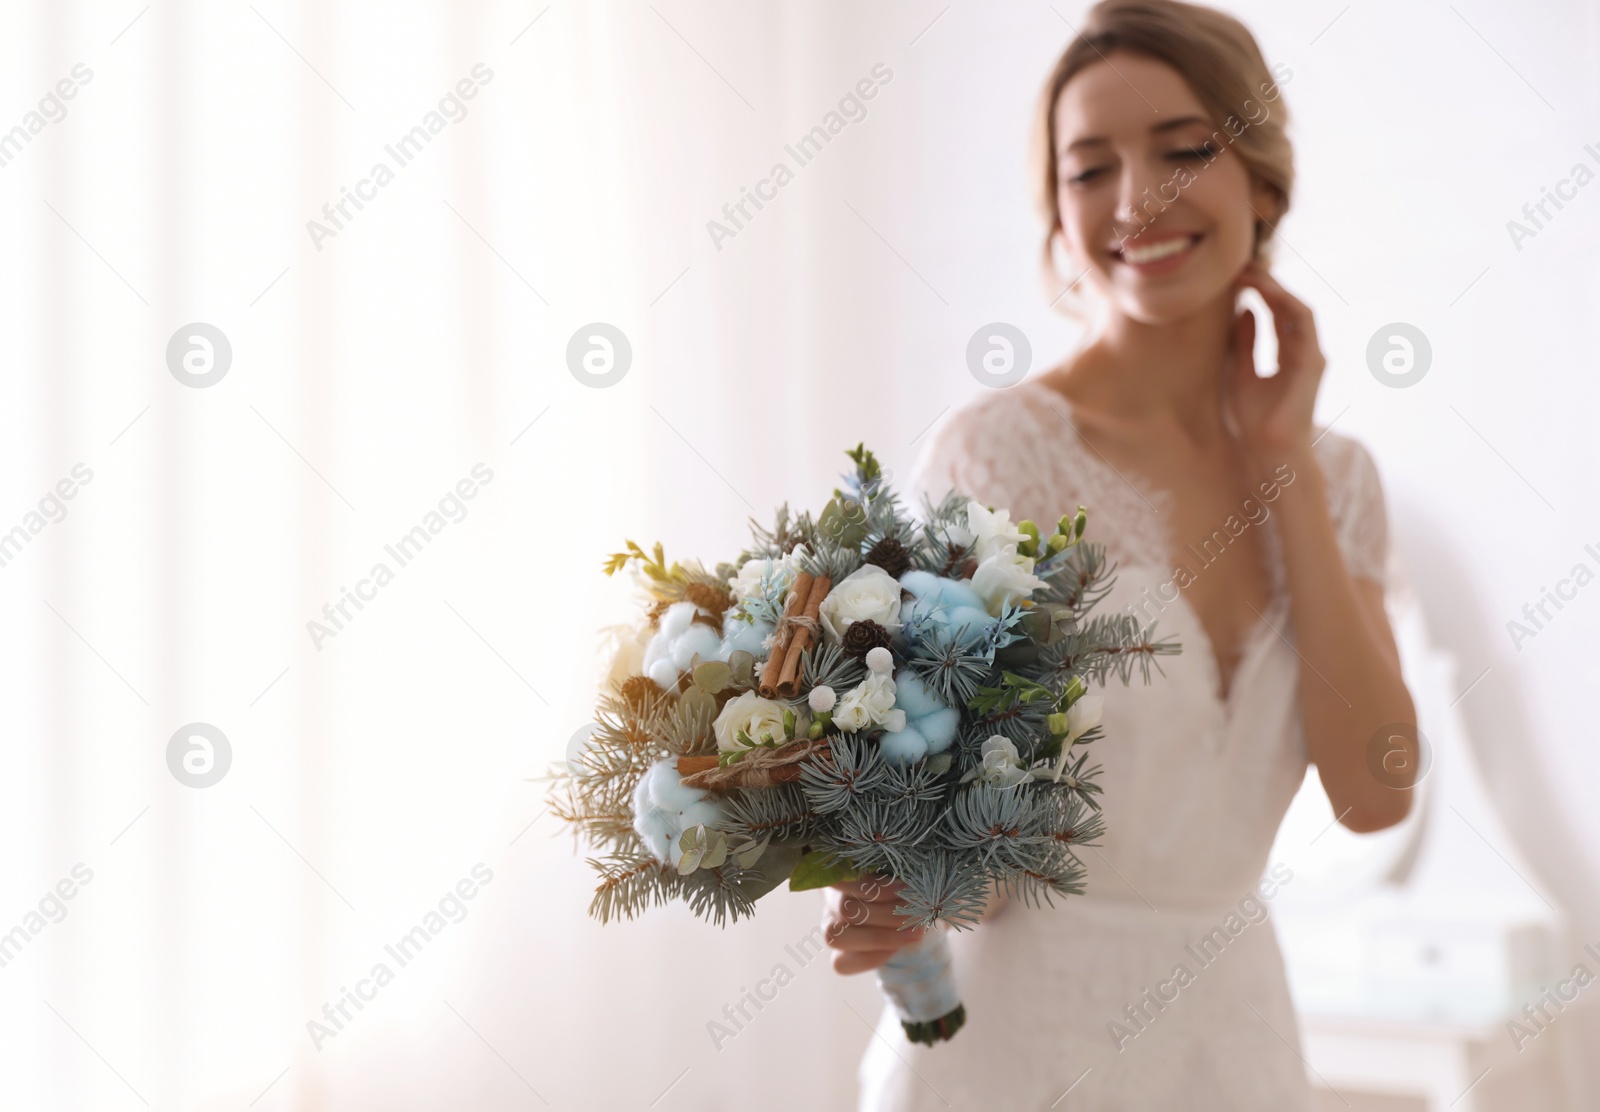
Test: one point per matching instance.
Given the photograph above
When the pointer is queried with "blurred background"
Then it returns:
(290, 291)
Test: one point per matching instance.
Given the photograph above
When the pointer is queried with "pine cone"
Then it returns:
(865, 635)
(639, 690)
(890, 555)
(709, 596)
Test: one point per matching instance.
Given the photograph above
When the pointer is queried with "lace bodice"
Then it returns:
(1020, 448)
(1194, 787)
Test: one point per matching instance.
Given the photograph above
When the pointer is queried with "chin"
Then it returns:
(1165, 306)
(1173, 296)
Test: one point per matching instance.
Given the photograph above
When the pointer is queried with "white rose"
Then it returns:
(1004, 577)
(759, 718)
(868, 703)
(992, 530)
(868, 593)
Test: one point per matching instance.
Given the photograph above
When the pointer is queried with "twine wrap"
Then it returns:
(788, 626)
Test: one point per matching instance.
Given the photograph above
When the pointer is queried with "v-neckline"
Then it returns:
(1255, 632)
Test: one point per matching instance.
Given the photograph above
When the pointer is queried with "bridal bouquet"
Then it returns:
(859, 693)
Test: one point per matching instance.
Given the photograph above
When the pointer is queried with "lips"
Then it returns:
(1147, 251)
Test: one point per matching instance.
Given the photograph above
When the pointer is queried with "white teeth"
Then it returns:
(1140, 255)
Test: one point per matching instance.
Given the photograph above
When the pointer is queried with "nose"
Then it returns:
(1138, 203)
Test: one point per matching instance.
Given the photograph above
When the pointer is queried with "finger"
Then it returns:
(1244, 347)
(845, 936)
(1288, 311)
(859, 913)
(866, 960)
(870, 887)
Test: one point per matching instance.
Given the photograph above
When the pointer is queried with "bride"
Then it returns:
(1256, 538)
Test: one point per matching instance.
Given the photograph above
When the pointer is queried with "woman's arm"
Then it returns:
(1350, 683)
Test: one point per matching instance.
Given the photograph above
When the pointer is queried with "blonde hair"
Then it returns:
(1221, 63)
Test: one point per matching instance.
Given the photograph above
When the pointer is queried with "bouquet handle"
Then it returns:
(920, 984)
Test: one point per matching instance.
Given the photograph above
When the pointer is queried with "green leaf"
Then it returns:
(818, 869)
(940, 763)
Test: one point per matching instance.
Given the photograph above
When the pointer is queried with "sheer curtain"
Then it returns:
(401, 218)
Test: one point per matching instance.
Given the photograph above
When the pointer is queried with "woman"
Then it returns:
(1256, 539)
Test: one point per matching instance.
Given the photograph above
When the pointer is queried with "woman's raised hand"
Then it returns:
(1274, 414)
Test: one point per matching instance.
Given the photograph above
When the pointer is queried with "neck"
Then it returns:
(1172, 372)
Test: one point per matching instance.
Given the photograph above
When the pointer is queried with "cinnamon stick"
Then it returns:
(789, 675)
(687, 766)
(798, 592)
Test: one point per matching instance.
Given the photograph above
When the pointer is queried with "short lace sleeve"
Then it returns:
(964, 453)
(1357, 505)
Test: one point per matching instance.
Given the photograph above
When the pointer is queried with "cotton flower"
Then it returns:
(678, 638)
(869, 592)
(929, 726)
(1002, 765)
(955, 611)
(760, 719)
(1004, 577)
(663, 808)
(866, 704)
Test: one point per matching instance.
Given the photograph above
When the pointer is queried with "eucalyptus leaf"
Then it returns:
(712, 676)
(775, 866)
(716, 852)
(748, 855)
(700, 701)
(742, 662)
(939, 763)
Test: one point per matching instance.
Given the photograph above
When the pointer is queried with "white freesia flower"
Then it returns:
(868, 703)
(1002, 764)
(991, 530)
(1082, 716)
(760, 719)
(868, 593)
(1004, 577)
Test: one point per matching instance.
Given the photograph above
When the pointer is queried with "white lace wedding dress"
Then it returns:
(1194, 789)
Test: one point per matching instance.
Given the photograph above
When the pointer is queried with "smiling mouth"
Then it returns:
(1143, 255)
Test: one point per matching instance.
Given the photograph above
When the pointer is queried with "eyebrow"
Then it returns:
(1169, 125)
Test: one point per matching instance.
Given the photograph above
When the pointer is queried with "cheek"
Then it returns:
(1081, 220)
(1222, 193)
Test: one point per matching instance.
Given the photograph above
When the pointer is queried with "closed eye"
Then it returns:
(1205, 150)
